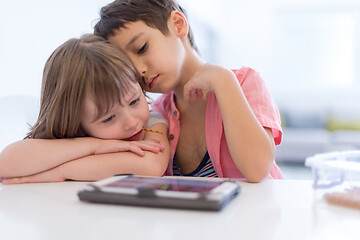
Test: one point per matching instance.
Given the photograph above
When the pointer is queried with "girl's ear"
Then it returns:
(180, 24)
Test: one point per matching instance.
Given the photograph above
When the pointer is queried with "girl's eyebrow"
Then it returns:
(131, 93)
(95, 117)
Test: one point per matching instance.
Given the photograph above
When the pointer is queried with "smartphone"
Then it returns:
(171, 192)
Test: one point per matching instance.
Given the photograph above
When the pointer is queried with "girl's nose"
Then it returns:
(130, 122)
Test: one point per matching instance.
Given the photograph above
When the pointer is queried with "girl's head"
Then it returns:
(89, 84)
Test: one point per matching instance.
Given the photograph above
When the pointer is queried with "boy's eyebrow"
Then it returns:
(136, 37)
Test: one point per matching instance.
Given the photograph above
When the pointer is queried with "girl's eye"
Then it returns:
(142, 49)
(132, 103)
(109, 119)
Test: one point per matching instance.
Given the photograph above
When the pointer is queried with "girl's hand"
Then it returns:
(205, 79)
(47, 176)
(137, 147)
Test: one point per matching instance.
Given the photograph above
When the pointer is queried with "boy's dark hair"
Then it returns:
(154, 13)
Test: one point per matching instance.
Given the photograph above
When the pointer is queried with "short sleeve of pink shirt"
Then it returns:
(259, 98)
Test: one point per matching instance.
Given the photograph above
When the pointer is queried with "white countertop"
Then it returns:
(273, 209)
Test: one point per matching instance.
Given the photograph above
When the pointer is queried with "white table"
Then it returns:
(273, 209)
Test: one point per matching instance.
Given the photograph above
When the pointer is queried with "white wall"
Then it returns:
(301, 47)
(30, 32)
(308, 51)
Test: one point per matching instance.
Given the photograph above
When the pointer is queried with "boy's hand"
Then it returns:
(206, 78)
(137, 147)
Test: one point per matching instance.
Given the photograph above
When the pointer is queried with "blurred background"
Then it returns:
(308, 53)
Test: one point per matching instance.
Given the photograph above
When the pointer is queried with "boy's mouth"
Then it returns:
(152, 81)
(134, 137)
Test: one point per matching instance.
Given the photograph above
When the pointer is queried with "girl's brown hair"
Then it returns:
(88, 66)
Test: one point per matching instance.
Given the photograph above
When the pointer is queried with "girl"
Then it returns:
(91, 121)
(221, 123)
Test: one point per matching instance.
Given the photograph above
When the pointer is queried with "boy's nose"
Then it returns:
(142, 68)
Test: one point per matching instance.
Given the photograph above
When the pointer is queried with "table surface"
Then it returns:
(272, 209)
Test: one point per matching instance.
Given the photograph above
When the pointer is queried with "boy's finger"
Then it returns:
(186, 95)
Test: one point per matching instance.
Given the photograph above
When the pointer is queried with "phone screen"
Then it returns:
(164, 184)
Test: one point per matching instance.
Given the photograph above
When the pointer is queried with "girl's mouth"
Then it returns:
(134, 137)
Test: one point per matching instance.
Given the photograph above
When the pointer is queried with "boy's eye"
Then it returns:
(109, 119)
(134, 101)
(142, 49)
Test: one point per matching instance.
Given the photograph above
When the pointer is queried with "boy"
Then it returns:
(222, 123)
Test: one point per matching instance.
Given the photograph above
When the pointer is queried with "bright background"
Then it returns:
(307, 51)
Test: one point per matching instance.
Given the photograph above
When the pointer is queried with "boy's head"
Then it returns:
(88, 67)
(154, 13)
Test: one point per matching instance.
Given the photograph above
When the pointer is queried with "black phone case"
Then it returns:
(147, 197)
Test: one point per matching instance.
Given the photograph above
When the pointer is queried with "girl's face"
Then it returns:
(123, 122)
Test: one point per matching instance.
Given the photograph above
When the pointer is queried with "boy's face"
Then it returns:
(157, 57)
(123, 122)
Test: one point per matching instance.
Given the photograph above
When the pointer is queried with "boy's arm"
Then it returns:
(251, 146)
(31, 156)
(96, 167)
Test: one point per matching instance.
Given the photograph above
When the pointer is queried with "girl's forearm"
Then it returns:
(96, 167)
(100, 166)
(251, 146)
(30, 156)
(56, 160)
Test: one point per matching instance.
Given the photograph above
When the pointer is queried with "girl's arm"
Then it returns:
(251, 146)
(96, 167)
(31, 156)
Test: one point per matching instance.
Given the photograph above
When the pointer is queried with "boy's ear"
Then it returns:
(179, 23)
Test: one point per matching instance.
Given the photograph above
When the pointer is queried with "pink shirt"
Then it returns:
(262, 104)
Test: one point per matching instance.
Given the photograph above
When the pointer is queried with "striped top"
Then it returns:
(205, 169)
